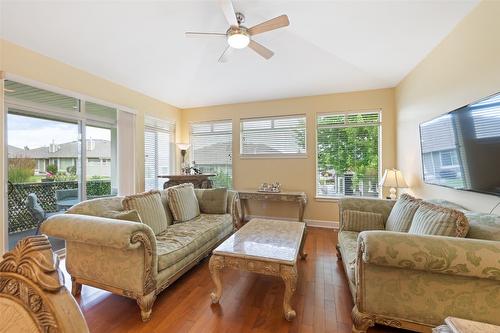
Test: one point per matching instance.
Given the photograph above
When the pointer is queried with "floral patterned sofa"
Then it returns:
(415, 281)
(107, 248)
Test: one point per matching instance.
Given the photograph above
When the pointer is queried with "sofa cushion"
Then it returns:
(181, 239)
(354, 220)
(348, 243)
(126, 215)
(430, 219)
(150, 209)
(402, 213)
(182, 202)
(212, 201)
(164, 202)
(483, 226)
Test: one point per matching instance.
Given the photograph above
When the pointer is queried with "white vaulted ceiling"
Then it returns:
(329, 46)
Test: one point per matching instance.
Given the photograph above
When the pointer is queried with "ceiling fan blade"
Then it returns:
(228, 10)
(272, 24)
(190, 34)
(225, 55)
(261, 49)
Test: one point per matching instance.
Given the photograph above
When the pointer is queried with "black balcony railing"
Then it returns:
(19, 217)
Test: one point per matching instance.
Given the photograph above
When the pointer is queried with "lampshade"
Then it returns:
(183, 146)
(393, 178)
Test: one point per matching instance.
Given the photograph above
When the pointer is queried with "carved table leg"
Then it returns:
(302, 205)
(216, 265)
(146, 305)
(242, 208)
(289, 276)
(302, 253)
(76, 288)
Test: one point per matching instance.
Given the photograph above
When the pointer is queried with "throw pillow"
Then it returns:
(212, 201)
(182, 202)
(402, 213)
(150, 209)
(164, 202)
(126, 215)
(354, 220)
(430, 219)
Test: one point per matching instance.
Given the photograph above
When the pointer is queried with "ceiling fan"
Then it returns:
(239, 36)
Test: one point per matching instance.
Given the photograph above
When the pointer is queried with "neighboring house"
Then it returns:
(64, 156)
(217, 157)
(440, 151)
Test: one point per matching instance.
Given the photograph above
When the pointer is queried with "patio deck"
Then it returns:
(57, 244)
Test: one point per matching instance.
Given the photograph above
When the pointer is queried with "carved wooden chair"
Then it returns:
(33, 297)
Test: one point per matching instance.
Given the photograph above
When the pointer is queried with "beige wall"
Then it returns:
(16, 60)
(296, 174)
(464, 67)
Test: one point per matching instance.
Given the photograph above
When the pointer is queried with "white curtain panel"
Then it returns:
(126, 153)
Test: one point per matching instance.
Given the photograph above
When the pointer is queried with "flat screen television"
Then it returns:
(461, 149)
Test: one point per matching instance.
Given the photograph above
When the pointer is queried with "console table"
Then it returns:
(199, 181)
(299, 197)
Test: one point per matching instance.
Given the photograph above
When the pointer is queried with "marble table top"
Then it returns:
(458, 325)
(263, 239)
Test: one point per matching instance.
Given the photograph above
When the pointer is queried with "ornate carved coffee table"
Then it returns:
(269, 247)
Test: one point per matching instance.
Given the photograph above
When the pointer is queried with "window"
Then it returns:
(211, 150)
(448, 158)
(348, 158)
(284, 136)
(159, 154)
(55, 143)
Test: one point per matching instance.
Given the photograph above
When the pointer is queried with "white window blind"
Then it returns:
(273, 136)
(211, 150)
(348, 154)
(159, 153)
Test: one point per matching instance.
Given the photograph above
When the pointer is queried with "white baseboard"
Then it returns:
(309, 222)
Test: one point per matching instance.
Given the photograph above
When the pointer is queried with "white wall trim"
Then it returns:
(309, 222)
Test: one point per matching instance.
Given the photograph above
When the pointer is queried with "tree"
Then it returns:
(349, 149)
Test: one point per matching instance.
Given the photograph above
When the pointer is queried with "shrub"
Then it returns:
(52, 168)
(20, 169)
(71, 170)
(64, 177)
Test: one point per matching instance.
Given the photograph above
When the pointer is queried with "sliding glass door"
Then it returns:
(61, 150)
(44, 171)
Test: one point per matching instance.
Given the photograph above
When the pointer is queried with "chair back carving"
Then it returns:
(32, 286)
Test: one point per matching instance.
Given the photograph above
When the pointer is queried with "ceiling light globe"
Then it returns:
(238, 40)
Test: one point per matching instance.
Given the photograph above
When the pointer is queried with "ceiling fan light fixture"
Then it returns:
(238, 38)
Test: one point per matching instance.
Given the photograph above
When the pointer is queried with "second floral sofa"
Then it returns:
(411, 264)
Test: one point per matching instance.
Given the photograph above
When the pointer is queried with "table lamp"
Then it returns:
(394, 179)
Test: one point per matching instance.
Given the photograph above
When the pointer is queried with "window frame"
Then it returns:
(274, 155)
(346, 113)
(156, 125)
(212, 123)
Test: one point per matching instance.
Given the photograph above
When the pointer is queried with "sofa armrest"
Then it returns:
(435, 254)
(98, 231)
(371, 205)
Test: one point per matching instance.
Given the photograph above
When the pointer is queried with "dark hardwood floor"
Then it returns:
(250, 302)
